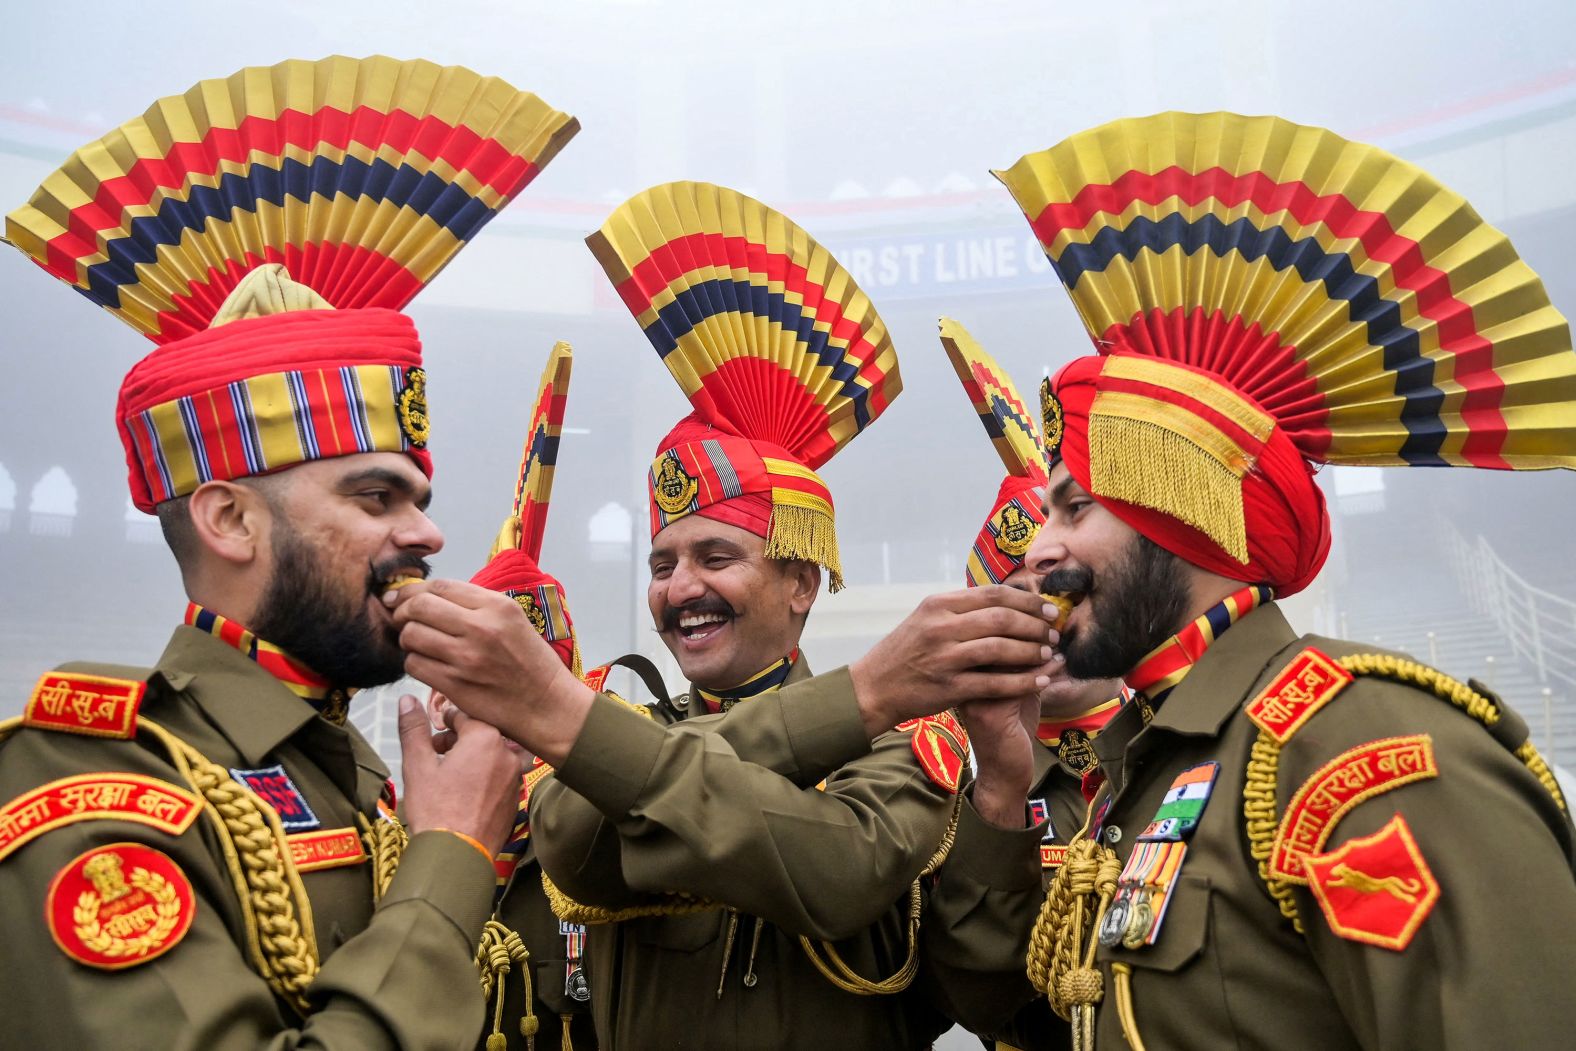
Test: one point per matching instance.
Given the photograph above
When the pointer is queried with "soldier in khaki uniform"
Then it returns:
(1294, 843)
(532, 962)
(204, 854)
(748, 874)
(1063, 719)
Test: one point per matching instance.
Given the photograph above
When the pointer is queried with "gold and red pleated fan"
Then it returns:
(1007, 420)
(362, 176)
(533, 489)
(1365, 306)
(767, 334)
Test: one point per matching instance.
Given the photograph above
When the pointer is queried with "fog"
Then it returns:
(874, 126)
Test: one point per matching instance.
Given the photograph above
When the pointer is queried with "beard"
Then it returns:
(331, 632)
(1137, 602)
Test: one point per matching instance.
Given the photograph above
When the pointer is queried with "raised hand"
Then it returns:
(471, 787)
(986, 643)
(476, 647)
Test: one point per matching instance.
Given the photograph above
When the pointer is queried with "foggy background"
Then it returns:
(873, 125)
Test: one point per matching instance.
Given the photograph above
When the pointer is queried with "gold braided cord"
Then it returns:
(569, 910)
(276, 911)
(501, 950)
(1062, 943)
(1259, 807)
(836, 970)
(1463, 696)
(386, 840)
(1124, 1006)
(1262, 817)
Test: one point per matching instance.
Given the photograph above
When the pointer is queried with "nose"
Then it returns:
(684, 584)
(419, 533)
(1048, 550)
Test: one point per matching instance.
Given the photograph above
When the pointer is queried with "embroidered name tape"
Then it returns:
(119, 905)
(1335, 788)
(275, 788)
(95, 705)
(122, 797)
(327, 848)
(1307, 684)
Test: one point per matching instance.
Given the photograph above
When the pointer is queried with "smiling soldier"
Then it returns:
(748, 874)
(204, 854)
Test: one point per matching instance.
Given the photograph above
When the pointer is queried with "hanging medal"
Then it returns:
(575, 985)
(1143, 890)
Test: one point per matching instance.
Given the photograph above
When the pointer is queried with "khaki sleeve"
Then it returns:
(975, 935)
(803, 731)
(688, 813)
(405, 982)
(1490, 963)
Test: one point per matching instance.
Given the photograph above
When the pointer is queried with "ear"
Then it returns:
(231, 521)
(804, 578)
(437, 704)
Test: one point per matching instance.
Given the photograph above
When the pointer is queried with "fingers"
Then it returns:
(415, 733)
(432, 611)
(995, 621)
(456, 592)
(999, 652)
(443, 742)
(991, 684)
(429, 642)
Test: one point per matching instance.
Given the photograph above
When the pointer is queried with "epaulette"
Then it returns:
(1289, 847)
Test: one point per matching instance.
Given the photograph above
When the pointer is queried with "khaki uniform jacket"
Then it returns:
(994, 877)
(1491, 966)
(725, 807)
(398, 976)
(525, 910)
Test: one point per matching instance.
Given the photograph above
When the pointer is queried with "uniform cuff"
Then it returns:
(825, 729)
(1000, 858)
(445, 872)
(612, 759)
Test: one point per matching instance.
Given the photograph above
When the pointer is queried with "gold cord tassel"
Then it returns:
(802, 532)
(1062, 945)
(386, 842)
(501, 951)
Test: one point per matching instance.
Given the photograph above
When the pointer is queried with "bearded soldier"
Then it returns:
(1295, 843)
(204, 854)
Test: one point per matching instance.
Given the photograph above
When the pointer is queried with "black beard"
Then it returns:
(1138, 603)
(333, 634)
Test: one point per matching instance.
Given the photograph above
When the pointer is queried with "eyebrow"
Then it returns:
(1063, 487)
(700, 547)
(392, 479)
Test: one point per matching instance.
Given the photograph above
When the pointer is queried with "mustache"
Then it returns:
(1071, 578)
(671, 615)
(378, 573)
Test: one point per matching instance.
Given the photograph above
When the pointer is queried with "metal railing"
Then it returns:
(1539, 625)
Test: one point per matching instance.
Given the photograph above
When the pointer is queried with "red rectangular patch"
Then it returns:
(1304, 686)
(1052, 855)
(121, 797)
(94, 705)
(327, 849)
(1339, 785)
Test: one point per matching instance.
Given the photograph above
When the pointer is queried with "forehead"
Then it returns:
(694, 533)
(336, 470)
(1062, 484)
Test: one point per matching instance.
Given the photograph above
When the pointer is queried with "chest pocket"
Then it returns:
(689, 933)
(1183, 934)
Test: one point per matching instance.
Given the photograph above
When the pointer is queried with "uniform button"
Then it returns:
(1113, 834)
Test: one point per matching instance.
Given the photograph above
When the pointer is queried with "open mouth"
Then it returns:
(699, 627)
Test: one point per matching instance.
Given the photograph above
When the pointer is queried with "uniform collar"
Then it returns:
(1202, 703)
(332, 704)
(768, 680)
(1164, 667)
(254, 711)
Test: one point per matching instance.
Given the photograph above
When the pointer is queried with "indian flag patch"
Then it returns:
(1183, 805)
